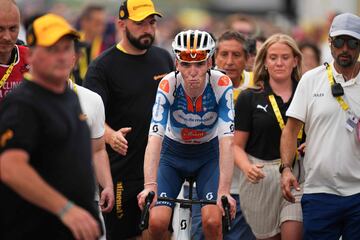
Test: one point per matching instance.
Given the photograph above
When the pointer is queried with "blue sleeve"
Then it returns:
(226, 113)
(161, 109)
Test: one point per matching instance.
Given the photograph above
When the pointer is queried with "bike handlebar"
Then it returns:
(144, 221)
(186, 201)
(226, 218)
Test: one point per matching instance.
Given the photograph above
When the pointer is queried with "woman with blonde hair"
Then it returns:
(259, 118)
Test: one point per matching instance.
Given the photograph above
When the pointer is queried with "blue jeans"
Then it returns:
(329, 216)
(239, 227)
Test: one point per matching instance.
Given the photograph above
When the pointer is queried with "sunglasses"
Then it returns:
(192, 56)
(339, 43)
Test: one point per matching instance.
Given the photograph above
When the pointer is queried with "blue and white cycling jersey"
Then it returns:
(196, 121)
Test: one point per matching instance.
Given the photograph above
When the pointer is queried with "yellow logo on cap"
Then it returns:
(140, 6)
(122, 13)
(7, 135)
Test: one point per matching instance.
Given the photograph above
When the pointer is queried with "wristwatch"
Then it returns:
(283, 166)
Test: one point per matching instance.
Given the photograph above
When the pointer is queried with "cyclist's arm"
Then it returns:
(151, 162)
(225, 131)
(226, 164)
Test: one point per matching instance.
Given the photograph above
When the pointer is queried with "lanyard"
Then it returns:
(7, 73)
(72, 85)
(279, 116)
(340, 100)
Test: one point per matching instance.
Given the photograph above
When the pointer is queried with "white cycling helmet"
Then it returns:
(193, 46)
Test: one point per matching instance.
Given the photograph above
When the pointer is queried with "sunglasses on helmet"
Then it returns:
(351, 42)
(192, 56)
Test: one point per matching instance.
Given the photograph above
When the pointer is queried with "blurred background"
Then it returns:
(305, 20)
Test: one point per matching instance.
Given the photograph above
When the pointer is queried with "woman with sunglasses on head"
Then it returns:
(259, 118)
(191, 135)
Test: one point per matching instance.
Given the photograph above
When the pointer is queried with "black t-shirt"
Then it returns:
(254, 114)
(128, 85)
(49, 127)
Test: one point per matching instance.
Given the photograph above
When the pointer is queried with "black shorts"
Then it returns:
(123, 221)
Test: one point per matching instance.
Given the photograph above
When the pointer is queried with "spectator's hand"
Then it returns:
(107, 199)
(288, 181)
(118, 142)
(232, 203)
(254, 173)
(143, 194)
(301, 149)
(82, 225)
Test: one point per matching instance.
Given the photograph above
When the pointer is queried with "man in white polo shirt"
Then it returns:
(94, 113)
(327, 101)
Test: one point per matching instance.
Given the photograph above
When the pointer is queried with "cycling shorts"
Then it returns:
(180, 161)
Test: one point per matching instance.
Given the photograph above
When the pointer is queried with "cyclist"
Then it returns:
(231, 55)
(192, 122)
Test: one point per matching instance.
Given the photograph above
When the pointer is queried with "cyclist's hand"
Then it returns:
(232, 204)
(254, 173)
(118, 142)
(142, 196)
(288, 181)
(107, 199)
(81, 224)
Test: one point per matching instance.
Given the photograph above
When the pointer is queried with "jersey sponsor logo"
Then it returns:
(224, 81)
(209, 196)
(193, 120)
(164, 85)
(262, 107)
(6, 136)
(155, 128)
(163, 194)
(232, 128)
(319, 94)
(159, 77)
(118, 200)
(158, 107)
(188, 134)
(183, 224)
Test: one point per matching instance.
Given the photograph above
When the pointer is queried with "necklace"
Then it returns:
(8, 72)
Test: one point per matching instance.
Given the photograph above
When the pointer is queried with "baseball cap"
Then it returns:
(345, 24)
(46, 30)
(137, 10)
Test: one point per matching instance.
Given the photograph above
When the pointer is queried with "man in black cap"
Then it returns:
(47, 187)
(126, 76)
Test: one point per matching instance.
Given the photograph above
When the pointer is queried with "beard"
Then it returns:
(345, 62)
(142, 43)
